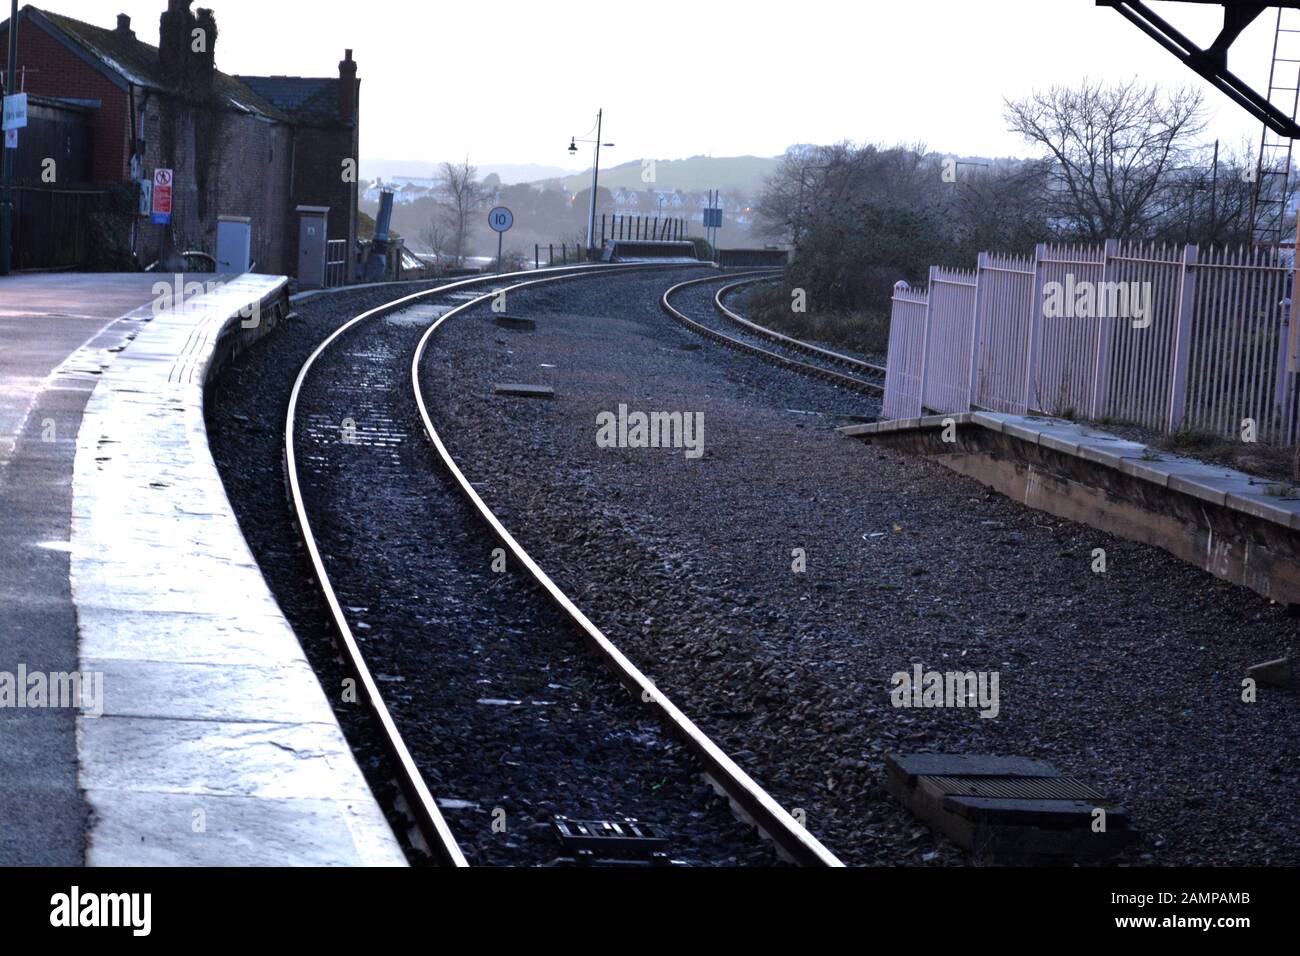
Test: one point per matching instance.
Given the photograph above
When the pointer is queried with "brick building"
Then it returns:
(256, 147)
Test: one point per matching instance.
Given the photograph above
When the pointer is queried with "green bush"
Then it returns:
(108, 231)
(703, 248)
(862, 331)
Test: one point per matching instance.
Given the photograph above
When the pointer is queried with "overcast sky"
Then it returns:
(510, 82)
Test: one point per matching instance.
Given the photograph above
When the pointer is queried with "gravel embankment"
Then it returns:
(1130, 679)
(697, 303)
(741, 300)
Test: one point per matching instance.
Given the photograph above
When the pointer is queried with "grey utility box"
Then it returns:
(234, 244)
(312, 245)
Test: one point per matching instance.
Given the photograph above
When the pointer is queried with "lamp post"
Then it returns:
(957, 164)
(595, 174)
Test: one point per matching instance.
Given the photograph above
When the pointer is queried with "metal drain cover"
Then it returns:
(623, 839)
(1008, 809)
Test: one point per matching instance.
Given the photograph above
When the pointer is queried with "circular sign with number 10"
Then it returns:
(501, 219)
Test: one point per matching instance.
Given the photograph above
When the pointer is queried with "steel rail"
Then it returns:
(837, 358)
(794, 365)
(752, 800)
(423, 807)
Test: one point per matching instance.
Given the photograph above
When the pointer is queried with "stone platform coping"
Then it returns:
(216, 745)
(1215, 484)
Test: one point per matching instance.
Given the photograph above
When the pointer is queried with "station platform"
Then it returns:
(1239, 527)
(155, 706)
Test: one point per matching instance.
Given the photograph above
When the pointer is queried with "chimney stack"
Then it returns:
(187, 44)
(174, 41)
(347, 90)
(205, 59)
(124, 25)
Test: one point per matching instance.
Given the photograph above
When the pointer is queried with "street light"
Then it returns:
(957, 164)
(595, 173)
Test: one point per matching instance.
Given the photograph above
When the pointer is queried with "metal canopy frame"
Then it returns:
(1212, 62)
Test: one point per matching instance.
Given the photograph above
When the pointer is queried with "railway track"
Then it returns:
(364, 374)
(781, 350)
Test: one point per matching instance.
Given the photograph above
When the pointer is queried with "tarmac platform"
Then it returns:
(155, 706)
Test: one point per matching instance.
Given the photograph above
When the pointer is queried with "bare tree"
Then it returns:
(1114, 148)
(462, 196)
(434, 236)
(1001, 205)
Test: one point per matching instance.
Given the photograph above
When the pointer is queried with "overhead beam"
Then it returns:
(1212, 62)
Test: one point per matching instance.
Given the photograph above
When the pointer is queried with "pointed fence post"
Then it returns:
(1105, 335)
(1284, 374)
(925, 343)
(1292, 346)
(1183, 339)
(972, 385)
(1035, 330)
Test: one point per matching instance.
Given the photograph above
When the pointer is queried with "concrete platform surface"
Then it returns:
(202, 736)
(57, 335)
(1260, 498)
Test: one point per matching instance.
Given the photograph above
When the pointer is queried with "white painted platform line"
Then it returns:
(216, 745)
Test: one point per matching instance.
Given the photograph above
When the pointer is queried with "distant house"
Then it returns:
(627, 202)
(324, 117)
(255, 147)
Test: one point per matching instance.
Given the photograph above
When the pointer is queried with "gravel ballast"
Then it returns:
(1129, 679)
(508, 716)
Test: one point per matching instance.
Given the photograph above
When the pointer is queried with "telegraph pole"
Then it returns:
(595, 173)
(595, 176)
(7, 202)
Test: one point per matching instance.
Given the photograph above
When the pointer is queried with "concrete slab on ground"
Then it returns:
(57, 335)
(216, 744)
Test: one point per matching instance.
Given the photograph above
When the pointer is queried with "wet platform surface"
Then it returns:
(199, 736)
(57, 332)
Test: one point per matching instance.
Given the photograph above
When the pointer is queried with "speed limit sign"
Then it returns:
(500, 219)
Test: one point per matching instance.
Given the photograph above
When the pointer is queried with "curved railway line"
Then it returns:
(375, 385)
(777, 349)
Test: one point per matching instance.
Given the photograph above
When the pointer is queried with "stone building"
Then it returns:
(253, 147)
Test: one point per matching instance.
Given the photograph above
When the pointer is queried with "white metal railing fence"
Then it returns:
(903, 370)
(1004, 292)
(1165, 337)
(945, 363)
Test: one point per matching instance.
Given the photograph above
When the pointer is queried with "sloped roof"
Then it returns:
(309, 101)
(123, 55)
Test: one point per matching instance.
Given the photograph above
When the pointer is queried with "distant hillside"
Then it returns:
(742, 173)
(509, 172)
